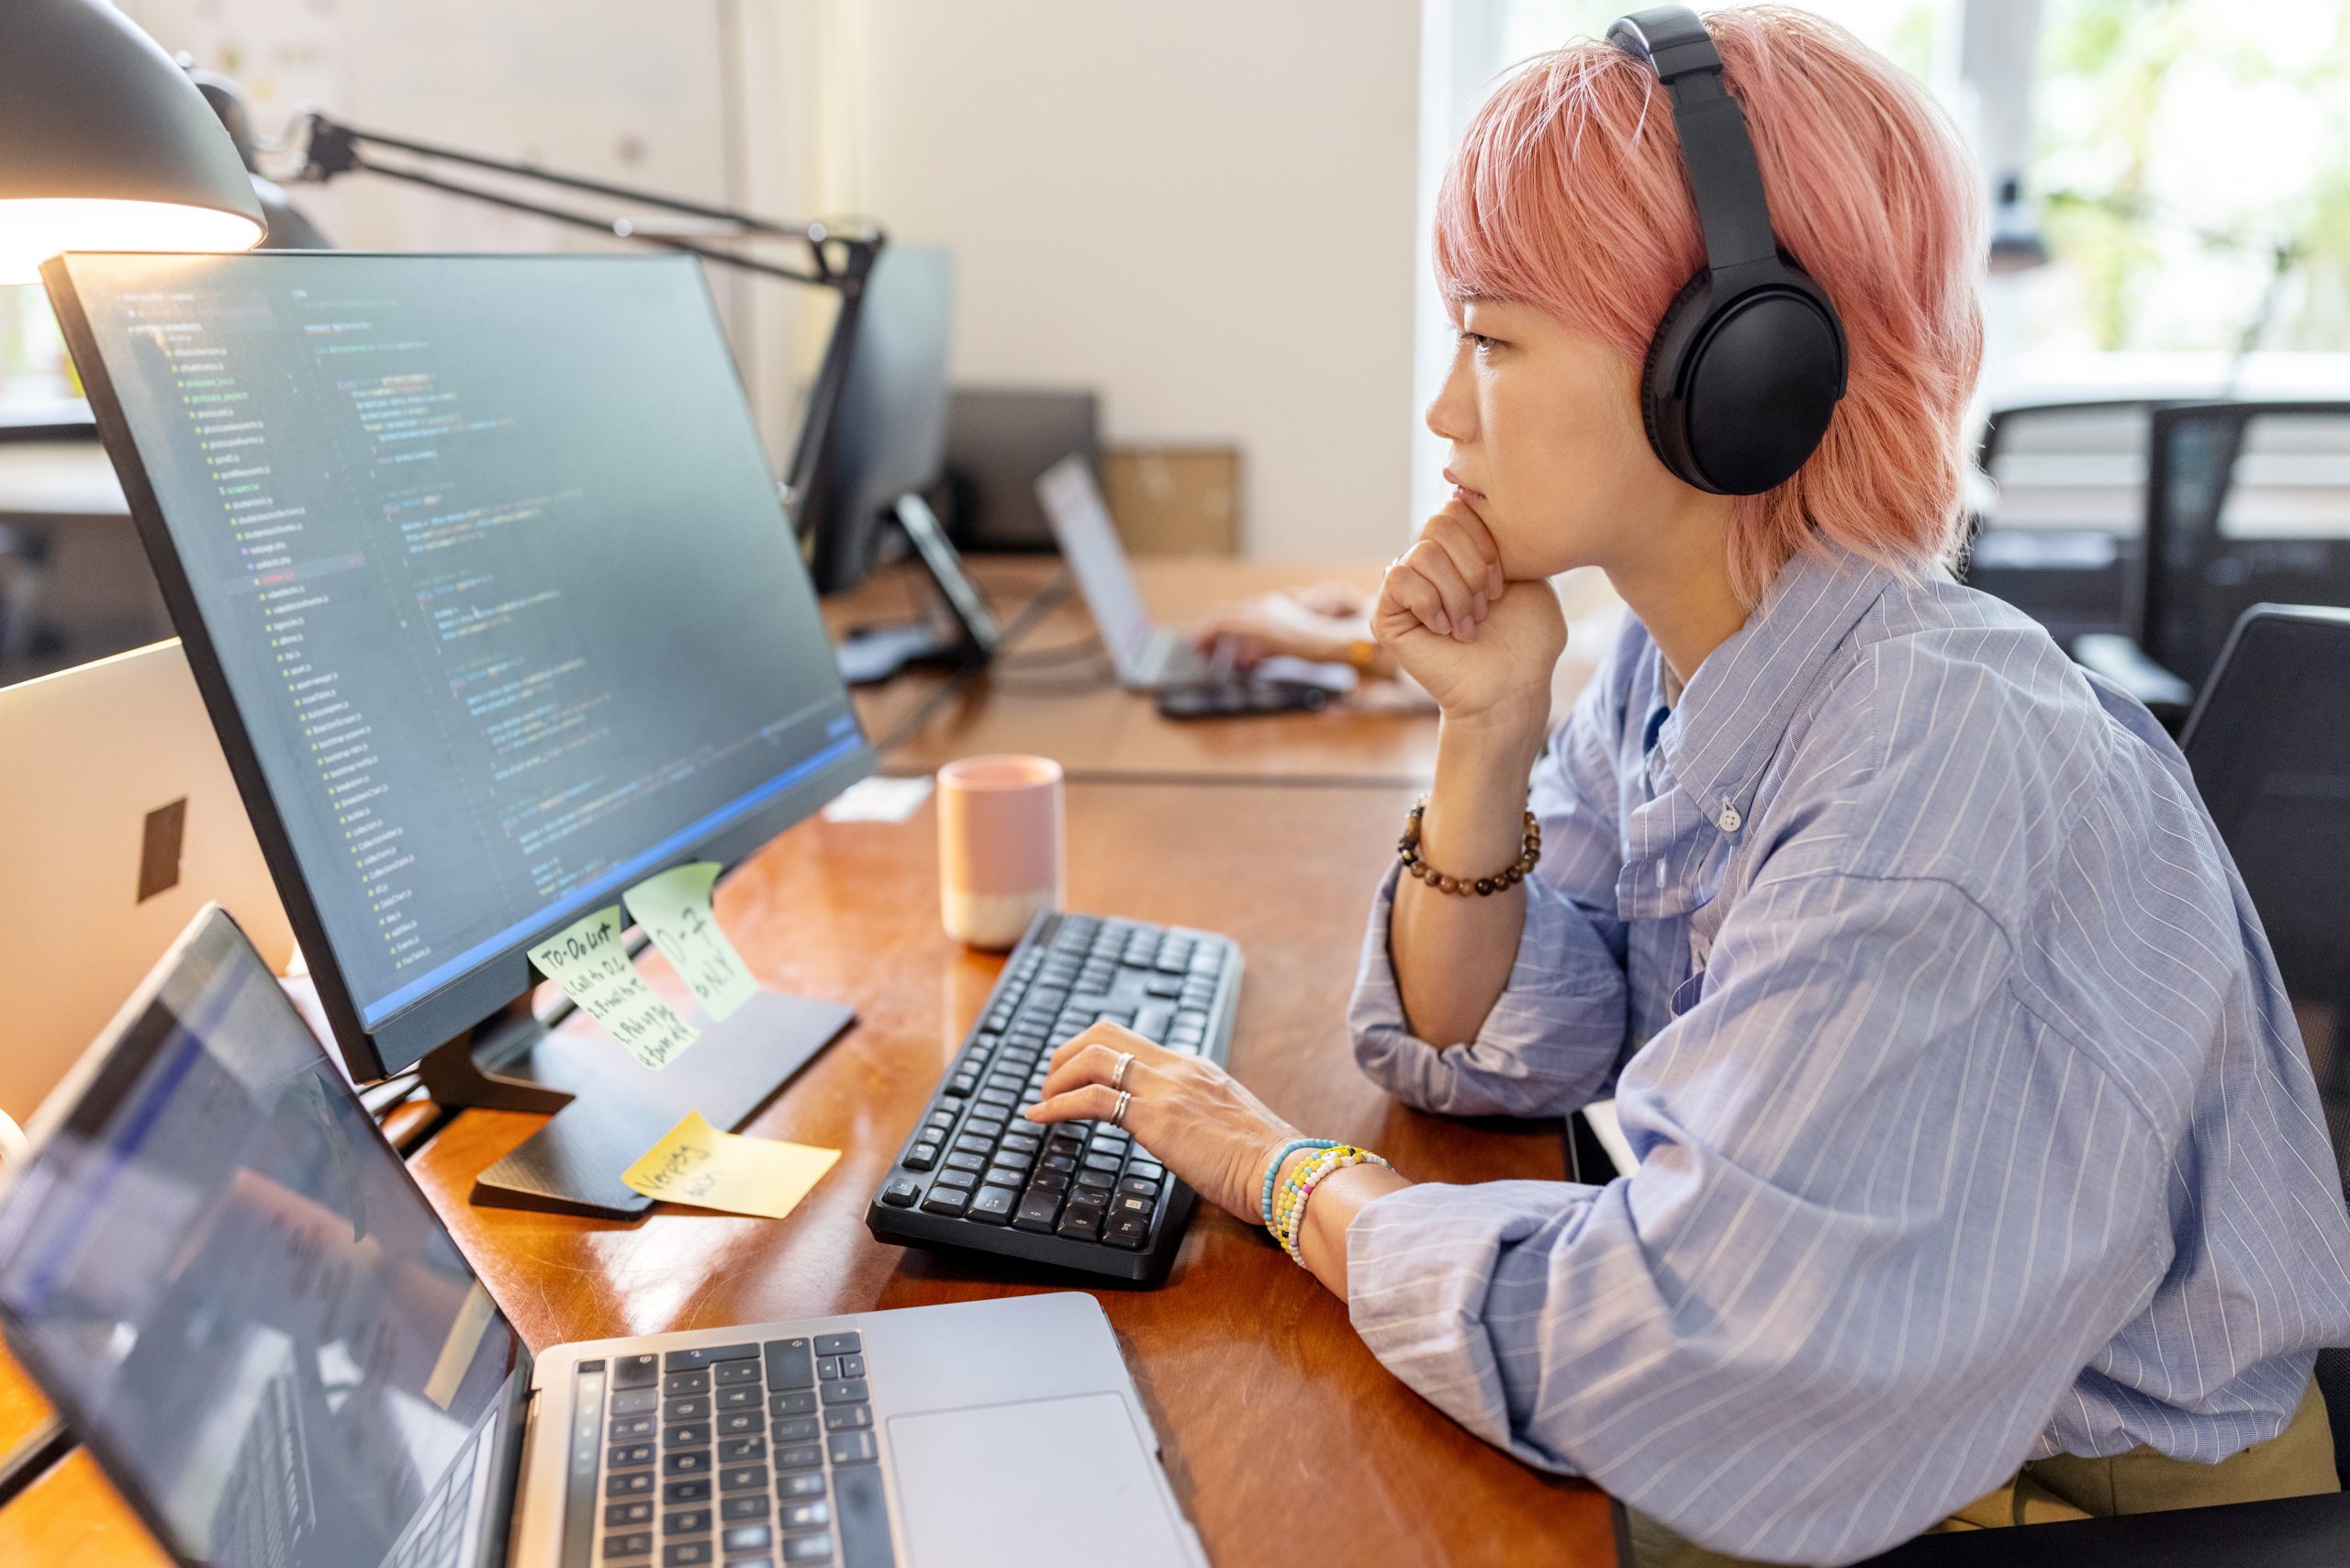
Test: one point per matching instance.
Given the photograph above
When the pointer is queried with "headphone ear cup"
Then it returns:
(1661, 416)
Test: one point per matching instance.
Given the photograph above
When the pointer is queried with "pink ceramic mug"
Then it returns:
(1000, 858)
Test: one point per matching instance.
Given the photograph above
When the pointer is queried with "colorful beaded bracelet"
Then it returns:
(1273, 1170)
(1300, 1188)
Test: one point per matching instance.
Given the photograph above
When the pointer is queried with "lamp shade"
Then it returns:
(105, 144)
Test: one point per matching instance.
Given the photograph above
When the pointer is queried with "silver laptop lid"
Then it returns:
(1088, 542)
(222, 1275)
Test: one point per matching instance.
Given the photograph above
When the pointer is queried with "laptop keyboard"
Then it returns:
(738, 1456)
(1081, 1194)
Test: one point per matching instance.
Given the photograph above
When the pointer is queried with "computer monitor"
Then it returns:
(890, 434)
(488, 590)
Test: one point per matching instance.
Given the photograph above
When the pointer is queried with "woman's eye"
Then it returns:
(1477, 340)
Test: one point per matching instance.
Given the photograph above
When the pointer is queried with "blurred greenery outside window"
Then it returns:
(2194, 175)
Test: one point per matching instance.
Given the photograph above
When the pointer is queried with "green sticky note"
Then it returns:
(588, 961)
(674, 909)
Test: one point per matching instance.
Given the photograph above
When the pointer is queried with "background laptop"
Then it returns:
(225, 1279)
(118, 821)
(1149, 657)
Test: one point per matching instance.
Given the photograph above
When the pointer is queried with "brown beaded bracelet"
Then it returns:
(1407, 850)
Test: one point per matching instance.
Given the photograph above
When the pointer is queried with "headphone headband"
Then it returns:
(1716, 151)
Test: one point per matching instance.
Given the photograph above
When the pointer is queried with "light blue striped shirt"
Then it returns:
(1974, 1125)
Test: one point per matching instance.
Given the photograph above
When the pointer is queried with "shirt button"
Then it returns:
(1730, 819)
(1660, 873)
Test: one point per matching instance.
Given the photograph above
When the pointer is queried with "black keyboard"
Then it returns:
(1080, 1196)
(737, 1456)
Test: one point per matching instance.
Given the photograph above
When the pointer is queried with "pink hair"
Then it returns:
(1567, 193)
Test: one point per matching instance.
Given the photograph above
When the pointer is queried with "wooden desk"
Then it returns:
(1285, 1440)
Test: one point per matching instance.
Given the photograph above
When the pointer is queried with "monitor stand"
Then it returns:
(875, 653)
(608, 1109)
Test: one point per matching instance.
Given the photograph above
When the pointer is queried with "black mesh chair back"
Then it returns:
(2246, 503)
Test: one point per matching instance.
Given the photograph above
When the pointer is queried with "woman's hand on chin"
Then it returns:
(1482, 648)
(1192, 1116)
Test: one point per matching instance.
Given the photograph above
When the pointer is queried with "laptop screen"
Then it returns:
(1089, 541)
(223, 1275)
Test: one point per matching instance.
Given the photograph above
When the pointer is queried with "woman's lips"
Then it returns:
(1466, 492)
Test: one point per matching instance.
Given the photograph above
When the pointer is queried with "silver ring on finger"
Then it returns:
(1118, 1073)
(1118, 1113)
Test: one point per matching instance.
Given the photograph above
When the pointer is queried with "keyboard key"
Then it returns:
(863, 1510)
(999, 1176)
(632, 1426)
(845, 1418)
(851, 1366)
(636, 1401)
(1148, 1169)
(731, 1374)
(942, 1120)
(1128, 1203)
(628, 1456)
(1140, 1187)
(687, 1554)
(852, 1447)
(1128, 1230)
(676, 1492)
(754, 1506)
(1097, 1180)
(686, 1434)
(796, 1487)
(790, 1364)
(692, 1461)
(744, 1478)
(634, 1484)
(799, 1456)
(796, 1429)
(1027, 1142)
(739, 1423)
(1105, 1162)
(901, 1192)
(636, 1372)
(970, 1154)
(618, 1513)
(993, 1206)
(922, 1157)
(798, 1402)
(677, 1383)
(742, 1396)
(946, 1200)
(828, 1368)
(694, 1409)
(688, 1521)
(807, 1516)
(746, 1538)
(1036, 1210)
(637, 1543)
(808, 1548)
(703, 1355)
(738, 1451)
(845, 1391)
(1081, 1224)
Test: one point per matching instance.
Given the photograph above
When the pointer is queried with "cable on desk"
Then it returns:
(39, 1454)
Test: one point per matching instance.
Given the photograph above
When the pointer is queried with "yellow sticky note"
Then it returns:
(588, 961)
(695, 1163)
(674, 909)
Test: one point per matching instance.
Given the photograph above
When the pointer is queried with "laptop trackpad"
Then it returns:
(1049, 1484)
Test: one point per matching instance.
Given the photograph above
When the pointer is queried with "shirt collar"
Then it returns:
(1737, 705)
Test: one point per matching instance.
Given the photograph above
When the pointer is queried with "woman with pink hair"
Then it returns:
(1981, 1175)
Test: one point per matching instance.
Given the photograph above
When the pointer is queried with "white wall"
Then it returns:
(1206, 211)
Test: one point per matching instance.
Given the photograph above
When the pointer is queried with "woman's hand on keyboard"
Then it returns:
(1193, 1117)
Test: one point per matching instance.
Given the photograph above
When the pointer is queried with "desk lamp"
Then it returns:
(105, 144)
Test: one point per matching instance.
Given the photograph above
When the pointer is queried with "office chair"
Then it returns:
(2059, 539)
(2245, 503)
(2269, 744)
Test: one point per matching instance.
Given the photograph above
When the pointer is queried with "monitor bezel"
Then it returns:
(452, 1009)
(98, 1081)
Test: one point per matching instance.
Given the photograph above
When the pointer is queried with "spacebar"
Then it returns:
(863, 1514)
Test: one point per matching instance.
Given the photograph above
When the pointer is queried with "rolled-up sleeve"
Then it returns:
(1883, 1218)
(1552, 1040)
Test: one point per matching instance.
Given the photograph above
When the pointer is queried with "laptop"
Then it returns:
(119, 822)
(218, 1271)
(1149, 657)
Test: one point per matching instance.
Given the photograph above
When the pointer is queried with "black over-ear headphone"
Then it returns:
(1747, 365)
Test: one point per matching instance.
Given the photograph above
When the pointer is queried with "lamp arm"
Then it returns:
(330, 148)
